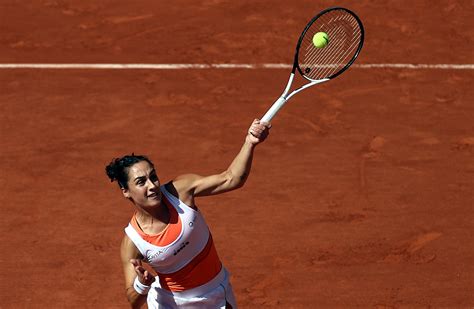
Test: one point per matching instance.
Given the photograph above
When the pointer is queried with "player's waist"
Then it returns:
(217, 280)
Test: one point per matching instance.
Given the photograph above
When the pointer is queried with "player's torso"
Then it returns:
(183, 239)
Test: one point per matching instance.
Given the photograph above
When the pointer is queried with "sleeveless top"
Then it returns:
(183, 254)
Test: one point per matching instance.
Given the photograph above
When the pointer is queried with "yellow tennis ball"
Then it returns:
(321, 39)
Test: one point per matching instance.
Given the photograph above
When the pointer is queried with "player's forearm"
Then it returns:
(136, 300)
(240, 167)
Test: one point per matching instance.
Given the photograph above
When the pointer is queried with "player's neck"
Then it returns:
(147, 216)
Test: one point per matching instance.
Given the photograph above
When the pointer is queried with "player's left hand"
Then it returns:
(144, 276)
(258, 132)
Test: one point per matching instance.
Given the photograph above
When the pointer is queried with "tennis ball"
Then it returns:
(320, 39)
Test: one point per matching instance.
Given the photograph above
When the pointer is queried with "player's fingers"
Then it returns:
(266, 124)
(148, 276)
(140, 269)
(136, 262)
(253, 129)
(255, 132)
(258, 129)
(141, 277)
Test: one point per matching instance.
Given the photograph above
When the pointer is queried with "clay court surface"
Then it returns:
(361, 197)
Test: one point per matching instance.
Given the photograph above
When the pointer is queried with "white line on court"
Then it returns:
(181, 66)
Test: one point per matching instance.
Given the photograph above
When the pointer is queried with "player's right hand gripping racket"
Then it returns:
(318, 65)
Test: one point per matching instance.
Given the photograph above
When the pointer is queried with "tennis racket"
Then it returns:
(318, 65)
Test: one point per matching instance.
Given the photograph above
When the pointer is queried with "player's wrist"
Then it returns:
(250, 141)
(139, 287)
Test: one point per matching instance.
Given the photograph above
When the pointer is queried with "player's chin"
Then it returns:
(153, 202)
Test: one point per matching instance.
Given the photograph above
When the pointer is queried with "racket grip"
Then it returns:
(274, 109)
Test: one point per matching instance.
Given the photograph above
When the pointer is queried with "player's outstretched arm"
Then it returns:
(233, 177)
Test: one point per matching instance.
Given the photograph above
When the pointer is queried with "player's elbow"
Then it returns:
(236, 181)
(241, 181)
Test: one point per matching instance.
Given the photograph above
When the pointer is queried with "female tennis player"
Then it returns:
(168, 233)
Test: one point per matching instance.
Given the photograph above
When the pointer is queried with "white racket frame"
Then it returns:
(281, 101)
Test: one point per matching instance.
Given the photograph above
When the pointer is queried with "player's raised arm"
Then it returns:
(233, 177)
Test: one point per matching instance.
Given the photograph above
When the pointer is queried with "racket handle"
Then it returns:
(274, 109)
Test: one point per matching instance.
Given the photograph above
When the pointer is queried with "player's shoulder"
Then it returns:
(183, 183)
(183, 187)
(186, 177)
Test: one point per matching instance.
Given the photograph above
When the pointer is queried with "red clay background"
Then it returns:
(362, 196)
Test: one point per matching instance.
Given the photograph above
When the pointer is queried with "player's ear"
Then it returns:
(126, 193)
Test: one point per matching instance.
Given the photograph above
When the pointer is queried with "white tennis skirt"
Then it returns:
(217, 293)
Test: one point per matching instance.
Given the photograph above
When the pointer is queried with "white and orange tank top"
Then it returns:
(183, 254)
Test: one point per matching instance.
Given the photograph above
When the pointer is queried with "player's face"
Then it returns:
(143, 185)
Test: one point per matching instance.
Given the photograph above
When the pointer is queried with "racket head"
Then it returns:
(346, 38)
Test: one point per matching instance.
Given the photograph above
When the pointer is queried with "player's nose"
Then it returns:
(150, 184)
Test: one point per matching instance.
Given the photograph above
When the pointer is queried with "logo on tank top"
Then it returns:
(183, 244)
(157, 253)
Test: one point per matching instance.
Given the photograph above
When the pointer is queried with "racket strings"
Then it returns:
(339, 35)
(313, 56)
(343, 50)
(345, 36)
(333, 58)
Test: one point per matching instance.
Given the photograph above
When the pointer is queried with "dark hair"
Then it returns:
(117, 170)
